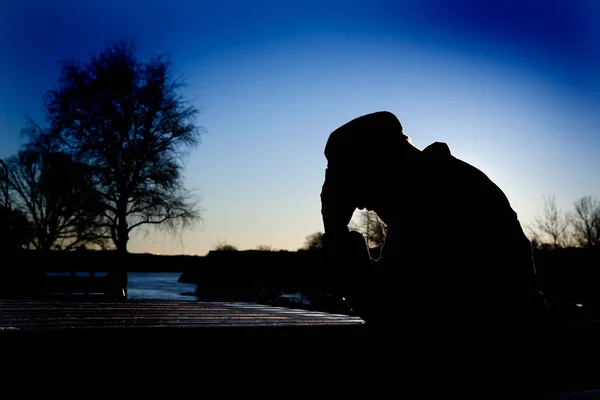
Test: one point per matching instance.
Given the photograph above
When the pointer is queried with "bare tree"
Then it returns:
(4, 186)
(586, 221)
(552, 227)
(14, 229)
(223, 245)
(127, 121)
(371, 227)
(58, 197)
(314, 241)
(14, 226)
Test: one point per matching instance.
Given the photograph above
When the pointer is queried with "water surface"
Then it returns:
(158, 286)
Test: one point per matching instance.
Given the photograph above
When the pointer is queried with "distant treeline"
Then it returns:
(567, 275)
(112, 260)
(251, 274)
(23, 273)
(101, 261)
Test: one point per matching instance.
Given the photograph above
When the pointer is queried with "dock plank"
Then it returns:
(28, 315)
(216, 332)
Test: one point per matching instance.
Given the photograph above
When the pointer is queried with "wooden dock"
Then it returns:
(98, 327)
(34, 315)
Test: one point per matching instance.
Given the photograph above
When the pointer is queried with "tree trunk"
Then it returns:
(122, 230)
(122, 237)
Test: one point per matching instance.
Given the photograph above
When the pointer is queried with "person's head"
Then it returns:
(362, 156)
(377, 137)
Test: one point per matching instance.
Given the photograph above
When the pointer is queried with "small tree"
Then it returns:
(586, 221)
(127, 121)
(222, 245)
(14, 230)
(314, 241)
(57, 195)
(552, 227)
(371, 227)
(14, 226)
(5, 201)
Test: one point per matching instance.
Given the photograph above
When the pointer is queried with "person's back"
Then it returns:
(456, 278)
(461, 241)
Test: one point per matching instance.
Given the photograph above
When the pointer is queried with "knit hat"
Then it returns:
(352, 141)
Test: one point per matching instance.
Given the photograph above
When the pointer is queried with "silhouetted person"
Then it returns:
(456, 282)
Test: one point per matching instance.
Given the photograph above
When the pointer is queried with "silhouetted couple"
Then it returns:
(455, 290)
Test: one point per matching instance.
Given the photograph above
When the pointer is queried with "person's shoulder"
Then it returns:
(440, 153)
(437, 150)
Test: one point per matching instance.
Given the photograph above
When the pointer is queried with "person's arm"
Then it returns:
(346, 255)
(337, 208)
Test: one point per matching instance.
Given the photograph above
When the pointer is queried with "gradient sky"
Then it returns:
(513, 87)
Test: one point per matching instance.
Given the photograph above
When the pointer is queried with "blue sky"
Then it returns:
(513, 87)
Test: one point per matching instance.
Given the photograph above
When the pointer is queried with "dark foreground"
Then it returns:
(224, 343)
